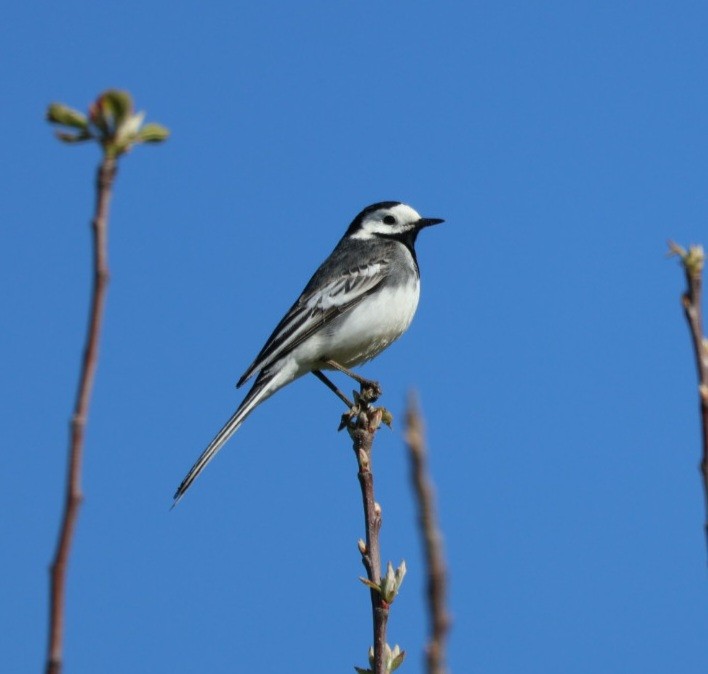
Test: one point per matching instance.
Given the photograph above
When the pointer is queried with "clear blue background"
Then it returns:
(564, 143)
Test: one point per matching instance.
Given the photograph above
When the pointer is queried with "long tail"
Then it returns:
(267, 383)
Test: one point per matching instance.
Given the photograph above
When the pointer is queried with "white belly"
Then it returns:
(369, 328)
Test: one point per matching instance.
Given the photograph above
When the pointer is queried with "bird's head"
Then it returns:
(389, 220)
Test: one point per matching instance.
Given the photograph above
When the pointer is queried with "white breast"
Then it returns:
(369, 328)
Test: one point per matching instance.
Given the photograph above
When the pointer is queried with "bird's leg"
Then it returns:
(369, 393)
(354, 407)
(370, 390)
(325, 380)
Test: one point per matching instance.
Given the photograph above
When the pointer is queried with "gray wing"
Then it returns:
(316, 307)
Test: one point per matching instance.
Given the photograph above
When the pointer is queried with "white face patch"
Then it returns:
(388, 221)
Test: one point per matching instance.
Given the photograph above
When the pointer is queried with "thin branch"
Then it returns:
(105, 176)
(693, 261)
(431, 537)
(112, 123)
(362, 422)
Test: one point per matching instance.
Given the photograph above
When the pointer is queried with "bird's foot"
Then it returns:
(362, 411)
(369, 391)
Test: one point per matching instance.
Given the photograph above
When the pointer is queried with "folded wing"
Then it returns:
(314, 309)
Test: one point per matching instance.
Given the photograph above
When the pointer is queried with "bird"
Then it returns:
(360, 300)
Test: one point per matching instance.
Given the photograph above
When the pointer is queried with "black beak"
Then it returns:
(427, 222)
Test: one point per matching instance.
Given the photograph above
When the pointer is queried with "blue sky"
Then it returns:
(563, 142)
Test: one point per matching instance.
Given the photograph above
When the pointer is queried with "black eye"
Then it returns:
(389, 220)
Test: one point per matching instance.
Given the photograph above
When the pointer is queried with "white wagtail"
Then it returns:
(361, 299)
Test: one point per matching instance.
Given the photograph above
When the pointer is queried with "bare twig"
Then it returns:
(113, 124)
(99, 226)
(362, 430)
(693, 261)
(362, 422)
(438, 616)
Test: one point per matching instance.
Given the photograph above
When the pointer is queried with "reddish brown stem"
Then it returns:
(58, 571)
(693, 261)
(692, 308)
(431, 537)
(362, 430)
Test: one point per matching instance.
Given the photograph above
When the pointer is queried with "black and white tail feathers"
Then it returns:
(267, 383)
